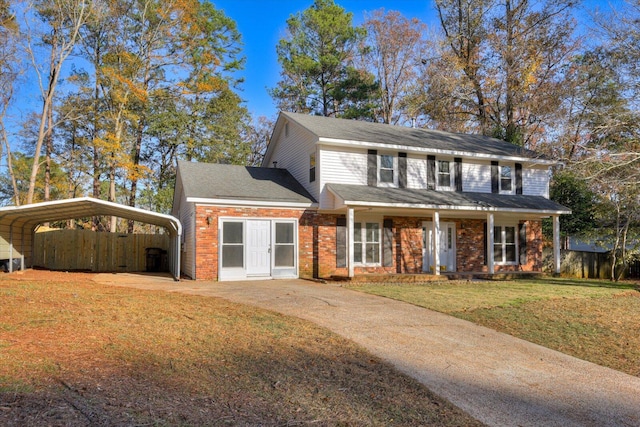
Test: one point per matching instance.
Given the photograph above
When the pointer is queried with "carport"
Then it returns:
(18, 225)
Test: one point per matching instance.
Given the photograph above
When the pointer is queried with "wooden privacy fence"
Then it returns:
(589, 265)
(84, 250)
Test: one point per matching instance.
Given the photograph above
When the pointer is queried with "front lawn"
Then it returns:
(593, 320)
(76, 353)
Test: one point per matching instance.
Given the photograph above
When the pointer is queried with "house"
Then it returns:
(339, 197)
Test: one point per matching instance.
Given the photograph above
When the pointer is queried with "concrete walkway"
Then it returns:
(498, 379)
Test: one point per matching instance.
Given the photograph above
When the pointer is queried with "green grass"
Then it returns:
(593, 320)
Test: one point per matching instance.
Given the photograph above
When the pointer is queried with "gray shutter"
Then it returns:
(431, 172)
(518, 178)
(495, 177)
(341, 242)
(457, 173)
(402, 170)
(522, 243)
(372, 168)
(387, 243)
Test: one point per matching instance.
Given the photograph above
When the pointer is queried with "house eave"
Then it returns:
(354, 203)
(251, 203)
(424, 150)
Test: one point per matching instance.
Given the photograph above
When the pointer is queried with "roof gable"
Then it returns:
(232, 182)
(356, 131)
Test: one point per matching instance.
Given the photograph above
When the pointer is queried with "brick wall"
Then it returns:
(317, 242)
(206, 225)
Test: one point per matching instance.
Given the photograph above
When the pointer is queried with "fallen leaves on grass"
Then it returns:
(74, 352)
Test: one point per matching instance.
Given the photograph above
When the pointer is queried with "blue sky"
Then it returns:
(262, 24)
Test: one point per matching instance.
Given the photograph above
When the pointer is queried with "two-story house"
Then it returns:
(342, 198)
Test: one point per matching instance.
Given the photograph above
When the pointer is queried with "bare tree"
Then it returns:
(65, 18)
(10, 70)
(395, 49)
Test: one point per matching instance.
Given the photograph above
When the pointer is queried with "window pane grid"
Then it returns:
(505, 244)
(386, 169)
(444, 174)
(366, 245)
(505, 178)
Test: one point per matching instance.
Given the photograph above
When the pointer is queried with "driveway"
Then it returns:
(498, 379)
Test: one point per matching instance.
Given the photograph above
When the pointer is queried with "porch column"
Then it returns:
(490, 258)
(435, 235)
(556, 243)
(350, 226)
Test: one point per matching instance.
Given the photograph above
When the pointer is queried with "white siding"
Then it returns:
(476, 177)
(188, 248)
(417, 172)
(292, 153)
(340, 167)
(535, 182)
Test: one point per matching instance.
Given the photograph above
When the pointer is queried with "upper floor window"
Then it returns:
(312, 167)
(506, 178)
(444, 174)
(387, 169)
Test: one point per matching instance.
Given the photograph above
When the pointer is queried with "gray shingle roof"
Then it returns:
(360, 194)
(218, 181)
(355, 130)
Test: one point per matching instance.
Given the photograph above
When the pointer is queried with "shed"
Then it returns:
(18, 225)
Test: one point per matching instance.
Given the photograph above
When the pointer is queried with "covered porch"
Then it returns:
(424, 234)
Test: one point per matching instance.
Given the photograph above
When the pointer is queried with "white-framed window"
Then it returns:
(232, 244)
(285, 245)
(387, 170)
(312, 167)
(366, 243)
(443, 175)
(506, 179)
(505, 244)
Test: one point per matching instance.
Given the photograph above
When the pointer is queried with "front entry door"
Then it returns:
(447, 247)
(258, 248)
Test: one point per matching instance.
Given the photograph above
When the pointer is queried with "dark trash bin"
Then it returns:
(154, 259)
(16, 265)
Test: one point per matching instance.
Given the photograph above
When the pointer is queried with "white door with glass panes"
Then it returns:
(447, 247)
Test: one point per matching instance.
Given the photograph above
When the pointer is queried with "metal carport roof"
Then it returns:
(18, 223)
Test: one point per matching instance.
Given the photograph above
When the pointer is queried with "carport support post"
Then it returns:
(556, 243)
(490, 259)
(11, 248)
(350, 227)
(436, 243)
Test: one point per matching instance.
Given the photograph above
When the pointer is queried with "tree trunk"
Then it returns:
(14, 183)
(48, 151)
(136, 163)
(48, 100)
